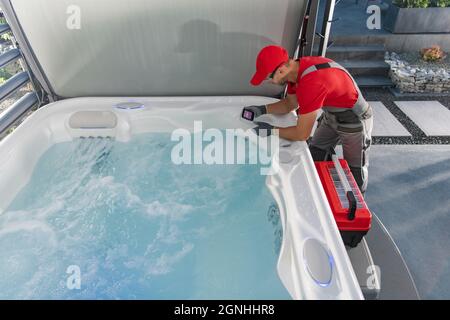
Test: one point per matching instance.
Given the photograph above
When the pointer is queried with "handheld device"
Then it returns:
(248, 115)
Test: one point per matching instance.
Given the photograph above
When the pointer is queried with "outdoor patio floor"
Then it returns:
(409, 190)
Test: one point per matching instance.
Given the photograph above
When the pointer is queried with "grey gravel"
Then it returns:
(415, 61)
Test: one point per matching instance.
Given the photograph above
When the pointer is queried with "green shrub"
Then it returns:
(4, 75)
(442, 3)
(412, 3)
(6, 37)
(421, 3)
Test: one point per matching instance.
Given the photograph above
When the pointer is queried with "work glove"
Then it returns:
(263, 129)
(257, 110)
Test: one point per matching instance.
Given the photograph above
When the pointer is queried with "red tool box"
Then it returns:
(350, 211)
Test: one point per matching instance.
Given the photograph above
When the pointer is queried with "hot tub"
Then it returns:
(62, 222)
(88, 173)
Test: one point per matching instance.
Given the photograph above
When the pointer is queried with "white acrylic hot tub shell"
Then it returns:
(305, 214)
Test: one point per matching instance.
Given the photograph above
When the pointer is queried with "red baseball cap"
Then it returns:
(269, 58)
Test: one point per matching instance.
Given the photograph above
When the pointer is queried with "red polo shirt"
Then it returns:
(329, 87)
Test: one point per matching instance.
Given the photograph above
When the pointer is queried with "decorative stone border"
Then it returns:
(417, 79)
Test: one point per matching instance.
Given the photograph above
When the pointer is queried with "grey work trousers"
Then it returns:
(356, 139)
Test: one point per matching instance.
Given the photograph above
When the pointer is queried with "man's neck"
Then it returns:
(293, 75)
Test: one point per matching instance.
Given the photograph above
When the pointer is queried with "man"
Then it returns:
(316, 83)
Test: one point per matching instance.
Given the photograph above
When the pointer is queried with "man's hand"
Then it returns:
(263, 129)
(257, 110)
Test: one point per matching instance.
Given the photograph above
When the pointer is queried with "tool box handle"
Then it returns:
(348, 189)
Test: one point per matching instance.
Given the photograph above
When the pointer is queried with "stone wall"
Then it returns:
(421, 77)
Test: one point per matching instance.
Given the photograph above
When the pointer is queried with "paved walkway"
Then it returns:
(411, 118)
(431, 117)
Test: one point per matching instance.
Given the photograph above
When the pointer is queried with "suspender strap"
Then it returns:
(325, 65)
(361, 105)
(320, 66)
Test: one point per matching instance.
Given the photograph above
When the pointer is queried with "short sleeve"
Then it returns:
(291, 88)
(311, 97)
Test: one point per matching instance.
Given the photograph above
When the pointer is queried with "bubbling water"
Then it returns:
(137, 226)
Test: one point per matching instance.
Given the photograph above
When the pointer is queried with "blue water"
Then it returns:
(137, 226)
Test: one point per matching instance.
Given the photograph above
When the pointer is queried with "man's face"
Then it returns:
(280, 75)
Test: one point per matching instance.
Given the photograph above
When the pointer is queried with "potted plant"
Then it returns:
(418, 16)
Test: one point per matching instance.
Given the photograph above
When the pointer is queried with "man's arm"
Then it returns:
(302, 130)
(283, 106)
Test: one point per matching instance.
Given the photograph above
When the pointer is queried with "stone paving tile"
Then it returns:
(430, 116)
(385, 123)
